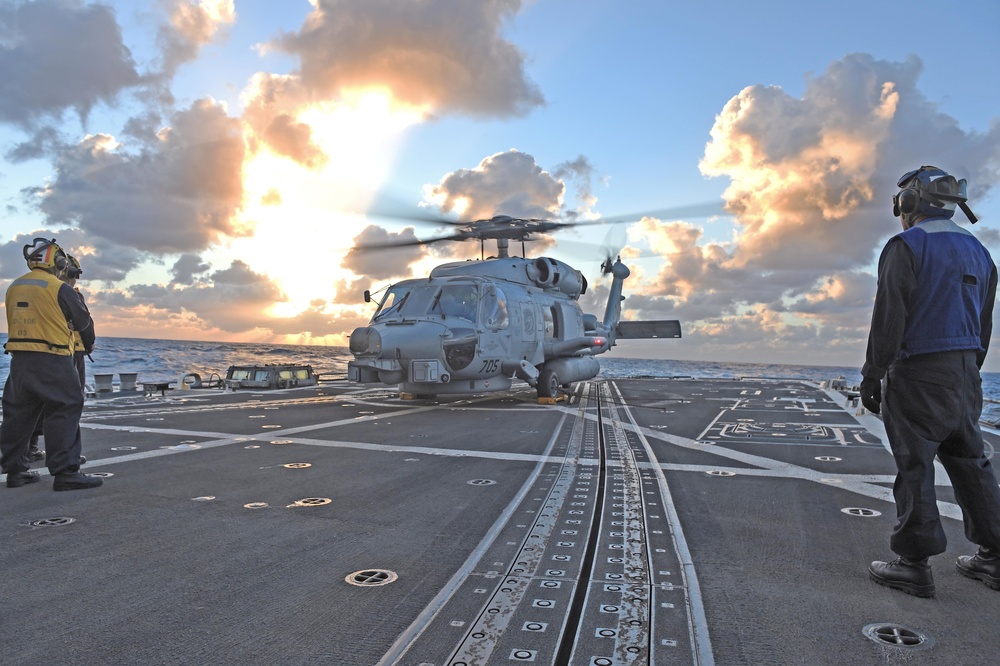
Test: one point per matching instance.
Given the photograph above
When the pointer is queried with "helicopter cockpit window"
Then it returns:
(457, 300)
(392, 302)
(495, 309)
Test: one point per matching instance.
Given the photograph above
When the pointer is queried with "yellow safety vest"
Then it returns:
(35, 322)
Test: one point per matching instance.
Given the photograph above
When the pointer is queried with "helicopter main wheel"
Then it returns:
(548, 384)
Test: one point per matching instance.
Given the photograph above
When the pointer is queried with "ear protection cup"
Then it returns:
(907, 202)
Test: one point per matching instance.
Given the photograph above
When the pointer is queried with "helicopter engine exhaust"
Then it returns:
(550, 273)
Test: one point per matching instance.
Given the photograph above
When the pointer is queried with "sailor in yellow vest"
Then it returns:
(70, 275)
(43, 384)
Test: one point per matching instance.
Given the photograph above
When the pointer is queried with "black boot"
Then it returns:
(76, 480)
(984, 566)
(18, 479)
(910, 576)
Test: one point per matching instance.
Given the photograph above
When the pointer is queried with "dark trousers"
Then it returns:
(931, 407)
(41, 388)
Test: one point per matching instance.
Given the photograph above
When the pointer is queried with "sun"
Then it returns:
(302, 218)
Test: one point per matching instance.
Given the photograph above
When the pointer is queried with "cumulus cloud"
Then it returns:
(231, 299)
(272, 103)
(811, 178)
(509, 183)
(191, 25)
(187, 267)
(811, 181)
(446, 55)
(179, 196)
(57, 55)
(378, 257)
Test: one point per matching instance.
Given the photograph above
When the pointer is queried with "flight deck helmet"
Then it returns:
(930, 191)
(45, 254)
(73, 270)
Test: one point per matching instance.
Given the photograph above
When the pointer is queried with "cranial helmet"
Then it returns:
(73, 270)
(930, 191)
(44, 253)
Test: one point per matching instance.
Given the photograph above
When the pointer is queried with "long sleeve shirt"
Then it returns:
(897, 281)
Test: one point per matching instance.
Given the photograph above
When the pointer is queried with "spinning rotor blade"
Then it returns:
(407, 242)
(707, 209)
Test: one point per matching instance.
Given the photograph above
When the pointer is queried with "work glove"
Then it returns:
(871, 394)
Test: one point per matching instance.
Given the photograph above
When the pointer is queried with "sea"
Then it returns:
(169, 360)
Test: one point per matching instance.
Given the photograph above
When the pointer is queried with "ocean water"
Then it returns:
(167, 360)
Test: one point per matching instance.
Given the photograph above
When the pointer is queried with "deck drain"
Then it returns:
(371, 577)
(203, 498)
(312, 501)
(270, 426)
(252, 446)
(255, 505)
(296, 465)
(896, 635)
(52, 522)
(481, 482)
(103, 475)
(123, 448)
(281, 441)
(864, 513)
(828, 458)
(720, 472)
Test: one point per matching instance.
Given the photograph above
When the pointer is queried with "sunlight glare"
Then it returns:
(304, 219)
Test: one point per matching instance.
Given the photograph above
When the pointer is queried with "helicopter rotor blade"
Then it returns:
(406, 242)
(707, 209)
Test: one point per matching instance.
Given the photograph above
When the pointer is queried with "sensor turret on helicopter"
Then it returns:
(471, 327)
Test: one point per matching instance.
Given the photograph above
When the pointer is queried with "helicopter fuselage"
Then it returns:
(473, 326)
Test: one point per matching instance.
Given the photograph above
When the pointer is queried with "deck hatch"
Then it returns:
(53, 522)
(897, 635)
(861, 512)
(371, 577)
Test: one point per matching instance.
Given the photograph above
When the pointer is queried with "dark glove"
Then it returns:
(871, 394)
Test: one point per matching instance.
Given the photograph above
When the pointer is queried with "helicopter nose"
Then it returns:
(365, 341)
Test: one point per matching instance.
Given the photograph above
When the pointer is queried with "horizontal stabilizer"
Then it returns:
(635, 330)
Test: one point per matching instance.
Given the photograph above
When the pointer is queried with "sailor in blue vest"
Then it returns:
(930, 331)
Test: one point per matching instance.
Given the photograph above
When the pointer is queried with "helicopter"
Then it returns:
(473, 326)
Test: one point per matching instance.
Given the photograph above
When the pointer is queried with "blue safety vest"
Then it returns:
(953, 273)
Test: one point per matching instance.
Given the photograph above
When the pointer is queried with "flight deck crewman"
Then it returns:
(43, 384)
(930, 331)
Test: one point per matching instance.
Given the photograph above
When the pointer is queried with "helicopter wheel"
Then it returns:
(548, 384)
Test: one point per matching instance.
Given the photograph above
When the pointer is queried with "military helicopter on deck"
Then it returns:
(472, 326)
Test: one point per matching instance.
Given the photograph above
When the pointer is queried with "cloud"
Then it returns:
(57, 55)
(447, 55)
(272, 103)
(382, 264)
(186, 267)
(232, 299)
(104, 261)
(191, 25)
(509, 183)
(812, 178)
(179, 196)
(811, 181)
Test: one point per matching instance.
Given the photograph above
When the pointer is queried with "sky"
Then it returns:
(212, 163)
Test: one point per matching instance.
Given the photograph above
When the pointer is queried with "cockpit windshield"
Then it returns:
(393, 301)
(416, 300)
(457, 300)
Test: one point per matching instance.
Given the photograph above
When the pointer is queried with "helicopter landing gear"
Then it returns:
(548, 384)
